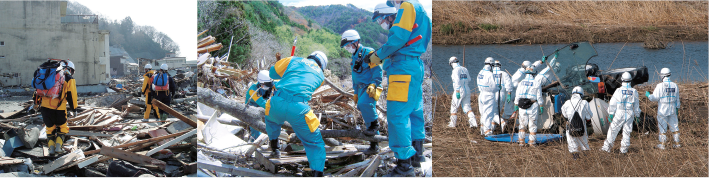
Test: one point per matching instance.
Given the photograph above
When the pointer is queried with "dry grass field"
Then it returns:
(462, 152)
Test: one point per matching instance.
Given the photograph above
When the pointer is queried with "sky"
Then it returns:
(177, 19)
(364, 4)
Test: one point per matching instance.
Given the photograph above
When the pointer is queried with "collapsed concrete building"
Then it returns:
(33, 31)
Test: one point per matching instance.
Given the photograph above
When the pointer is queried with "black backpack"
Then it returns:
(575, 126)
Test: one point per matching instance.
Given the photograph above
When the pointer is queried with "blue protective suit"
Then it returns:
(369, 74)
(408, 38)
(256, 97)
(299, 78)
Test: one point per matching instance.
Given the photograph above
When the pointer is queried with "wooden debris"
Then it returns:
(132, 157)
(167, 109)
(59, 162)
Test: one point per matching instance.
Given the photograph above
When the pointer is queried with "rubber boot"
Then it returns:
(403, 169)
(373, 148)
(418, 157)
(276, 152)
(59, 143)
(163, 117)
(373, 128)
(51, 143)
(318, 173)
(451, 124)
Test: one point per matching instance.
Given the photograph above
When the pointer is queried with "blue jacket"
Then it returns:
(370, 74)
(254, 96)
(411, 23)
(298, 76)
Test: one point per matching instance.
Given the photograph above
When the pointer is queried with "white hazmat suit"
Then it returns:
(502, 79)
(666, 94)
(577, 104)
(529, 88)
(461, 79)
(486, 100)
(625, 106)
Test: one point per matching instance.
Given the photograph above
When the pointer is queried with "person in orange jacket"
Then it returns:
(54, 110)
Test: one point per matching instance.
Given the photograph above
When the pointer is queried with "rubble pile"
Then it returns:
(107, 136)
(226, 147)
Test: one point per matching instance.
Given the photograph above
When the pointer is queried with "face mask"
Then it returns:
(384, 25)
(350, 49)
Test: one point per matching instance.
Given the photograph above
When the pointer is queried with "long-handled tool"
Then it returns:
(292, 51)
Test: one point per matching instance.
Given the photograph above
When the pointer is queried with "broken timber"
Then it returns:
(132, 157)
(252, 116)
(167, 109)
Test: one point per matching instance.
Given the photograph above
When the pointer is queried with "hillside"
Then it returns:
(478, 22)
(339, 18)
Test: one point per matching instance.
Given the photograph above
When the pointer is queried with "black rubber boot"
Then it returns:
(276, 153)
(403, 169)
(418, 157)
(373, 148)
(318, 174)
(373, 128)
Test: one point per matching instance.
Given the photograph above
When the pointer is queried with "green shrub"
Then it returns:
(487, 26)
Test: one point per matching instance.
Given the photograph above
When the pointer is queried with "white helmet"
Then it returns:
(148, 66)
(163, 66)
(489, 60)
(320, 58)
(452, 60)
(263, 76)
(349, 36)
(665, 72)
(69, 64)
(626, 77)
(497, 64)
(382, 10)
(577, 90)
(526, 64)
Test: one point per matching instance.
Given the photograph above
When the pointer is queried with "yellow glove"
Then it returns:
(355, 99)
(374, 92)
(372, 58)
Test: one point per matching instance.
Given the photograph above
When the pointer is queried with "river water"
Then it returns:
(694, 68)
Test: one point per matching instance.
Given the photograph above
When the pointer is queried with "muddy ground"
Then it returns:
(463, 152)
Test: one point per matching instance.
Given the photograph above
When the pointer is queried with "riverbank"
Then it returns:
(458, 23)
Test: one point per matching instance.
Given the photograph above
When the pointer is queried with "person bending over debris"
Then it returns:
(148, 92)
(56, 89)
(487, 104)
(299, 78)
(366, 82)
(667, 95)
(257, 95)
(577, 107)
(529, 97)
(502, 78)
(461, 96)
(408, 37)
(164, 87)
(626, 105)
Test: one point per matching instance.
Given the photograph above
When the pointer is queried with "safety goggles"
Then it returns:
(346, 42)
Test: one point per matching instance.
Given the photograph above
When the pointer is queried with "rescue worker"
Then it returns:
(257, 95)
(625, 105)
(487, 103)
(502, 78)
(528, 91)
(408, 38)
(366, 82)
(545, 75)
(666, 93)
(54, 110)
(165, 97)
(299, 78)
(577, 104)
(516, 78)
(461, 94)
(148, 92)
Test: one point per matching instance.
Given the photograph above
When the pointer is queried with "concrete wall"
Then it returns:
(32, 32)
